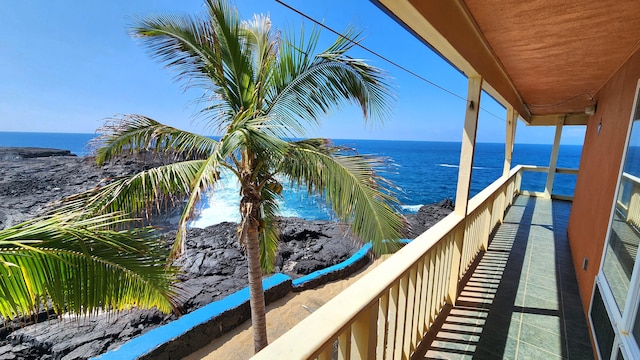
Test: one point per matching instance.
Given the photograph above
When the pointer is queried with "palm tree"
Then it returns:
(81, 265)
(263, 88)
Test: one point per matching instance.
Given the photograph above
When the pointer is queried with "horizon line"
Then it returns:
(341, 139)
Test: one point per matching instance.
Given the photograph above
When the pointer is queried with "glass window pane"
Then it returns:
(636, 328)
(624, 236)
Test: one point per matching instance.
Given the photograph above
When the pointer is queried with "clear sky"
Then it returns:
(66, 66)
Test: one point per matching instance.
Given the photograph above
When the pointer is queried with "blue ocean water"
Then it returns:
(425, 171)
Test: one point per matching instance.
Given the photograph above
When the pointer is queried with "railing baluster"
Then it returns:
(446, 267)
(383, 322)
(456, 258)
(402, 309)
(418, 305)
(344, 345)
(408, 322)
(449, 273)
(327, 353)
(436, 283)
(441, 277)
(363, 334)
(633, 211)
(430, 280)
(467, 241)
(424, 302)
(393, 319)
(486, 225)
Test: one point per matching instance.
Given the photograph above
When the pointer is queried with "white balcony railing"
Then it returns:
(628, 202)
(387, 312)
(532, 168)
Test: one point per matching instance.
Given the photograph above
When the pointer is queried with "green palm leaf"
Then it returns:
(143, 194)
(353, 188)
(305, 88)
(82, 266)
(132, 134)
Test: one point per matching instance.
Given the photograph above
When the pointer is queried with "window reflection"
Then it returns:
(624, 236)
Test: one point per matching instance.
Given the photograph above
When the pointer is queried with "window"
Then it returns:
(617, 291)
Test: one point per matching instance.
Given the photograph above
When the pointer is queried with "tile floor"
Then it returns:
(522, 300)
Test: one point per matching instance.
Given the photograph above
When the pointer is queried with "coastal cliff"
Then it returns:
(213, 267)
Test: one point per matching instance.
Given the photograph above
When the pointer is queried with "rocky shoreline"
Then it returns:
(213, 266)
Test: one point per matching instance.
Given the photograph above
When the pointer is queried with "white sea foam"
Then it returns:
(221, 204)
(288, 212)
(457, 166)
(411, 208)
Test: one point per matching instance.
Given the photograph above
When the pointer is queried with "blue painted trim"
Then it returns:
(355, 257)
(144, 343)
(316, 274)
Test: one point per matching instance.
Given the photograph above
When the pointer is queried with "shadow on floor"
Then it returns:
(522, 300)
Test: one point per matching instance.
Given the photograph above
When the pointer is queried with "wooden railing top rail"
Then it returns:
(630, 177)
(535, 168)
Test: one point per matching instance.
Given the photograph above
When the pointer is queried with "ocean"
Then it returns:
(425, 171)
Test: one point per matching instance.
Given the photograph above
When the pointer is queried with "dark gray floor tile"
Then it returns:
(523, 300)
(530, 352)
(541, 338)
(579, 351)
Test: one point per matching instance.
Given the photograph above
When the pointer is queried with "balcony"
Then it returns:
(520, 300)
(486, 285)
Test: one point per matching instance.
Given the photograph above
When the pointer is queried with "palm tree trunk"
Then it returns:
(256, 292)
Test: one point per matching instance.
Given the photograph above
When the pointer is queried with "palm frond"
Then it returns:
(183, 44)
(80, 265)
(192, 48)
(251, 132)
(353, 188)
(307, 88)
(205, 178)
(262, 45)
(131, 134)
(234, 53)
(142, 194)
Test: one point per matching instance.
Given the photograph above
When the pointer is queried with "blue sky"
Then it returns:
(67, 65)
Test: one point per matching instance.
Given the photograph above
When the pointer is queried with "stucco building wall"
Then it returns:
(599, 168)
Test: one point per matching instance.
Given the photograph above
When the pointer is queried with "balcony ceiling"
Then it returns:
(547, 58)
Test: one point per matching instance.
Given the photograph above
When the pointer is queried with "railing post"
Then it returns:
(554, 160)
(464, 180)
(512, 122)
(512, 119)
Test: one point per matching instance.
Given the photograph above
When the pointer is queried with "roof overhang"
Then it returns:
(546, 59)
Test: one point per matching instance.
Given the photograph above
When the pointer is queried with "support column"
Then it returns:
(554, 160)
(512, 121)
(468, 145)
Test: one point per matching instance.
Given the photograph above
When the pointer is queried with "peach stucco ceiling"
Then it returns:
(559, 53)
(544, 57)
